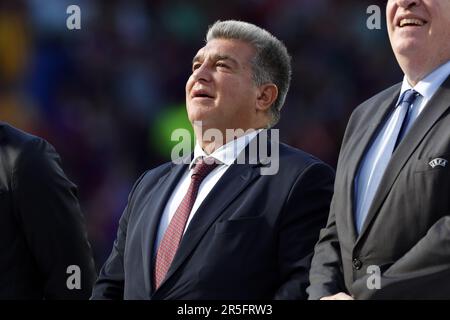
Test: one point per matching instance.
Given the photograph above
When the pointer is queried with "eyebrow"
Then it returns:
(216, 57)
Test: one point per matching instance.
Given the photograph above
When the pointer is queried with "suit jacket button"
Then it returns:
(357, 264)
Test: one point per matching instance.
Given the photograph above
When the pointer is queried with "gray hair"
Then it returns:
(271, 64)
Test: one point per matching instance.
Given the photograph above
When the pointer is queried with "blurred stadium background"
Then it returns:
(107, 96)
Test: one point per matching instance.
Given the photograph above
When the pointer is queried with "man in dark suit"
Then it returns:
(388, 232)
(225, 230)
(44, 252)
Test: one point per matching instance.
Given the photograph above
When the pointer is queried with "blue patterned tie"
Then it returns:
(174, 232)
(406, 101)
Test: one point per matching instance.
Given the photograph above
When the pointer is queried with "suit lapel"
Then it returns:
(362, 142)
(164, 187)
(234, 181)
(423, 124)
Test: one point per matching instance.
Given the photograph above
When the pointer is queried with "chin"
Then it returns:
(200, 112)
(197, 116)
(407, 47)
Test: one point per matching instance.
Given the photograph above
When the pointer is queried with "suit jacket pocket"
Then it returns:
(439, 162)
(239, 225)
(432, 190)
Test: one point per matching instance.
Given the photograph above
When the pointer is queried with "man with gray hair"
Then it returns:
(215, 227)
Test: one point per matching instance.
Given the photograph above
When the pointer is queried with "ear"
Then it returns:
(267, 95)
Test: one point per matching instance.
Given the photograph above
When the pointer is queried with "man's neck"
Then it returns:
(210, 144)
(416, 72)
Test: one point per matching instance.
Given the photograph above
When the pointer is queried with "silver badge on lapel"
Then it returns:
(438, 162)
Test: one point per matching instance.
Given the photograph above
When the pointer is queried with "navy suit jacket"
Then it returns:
(251, 238)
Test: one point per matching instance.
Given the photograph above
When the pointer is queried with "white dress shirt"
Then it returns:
(226, 155)
(375, 160)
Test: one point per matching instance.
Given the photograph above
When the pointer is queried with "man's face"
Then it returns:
(220, 91)
(420, 29)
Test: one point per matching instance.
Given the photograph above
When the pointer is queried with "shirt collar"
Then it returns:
(428, 86)
(228, 153)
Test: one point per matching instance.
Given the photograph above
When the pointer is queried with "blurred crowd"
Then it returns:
(107, 96)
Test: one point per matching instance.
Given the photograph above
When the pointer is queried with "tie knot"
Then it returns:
(203, 167)
(408, 97)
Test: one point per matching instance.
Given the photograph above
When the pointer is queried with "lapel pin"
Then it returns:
(438, 162)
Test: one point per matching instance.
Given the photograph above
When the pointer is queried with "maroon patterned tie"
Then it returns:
(172, 237)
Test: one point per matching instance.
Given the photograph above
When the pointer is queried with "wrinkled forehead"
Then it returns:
(239, 51)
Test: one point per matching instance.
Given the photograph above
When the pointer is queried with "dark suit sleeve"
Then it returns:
(46, 205)
(110, 282)
(326, 267)
(326, 276)
(304, 214)
(424, 271)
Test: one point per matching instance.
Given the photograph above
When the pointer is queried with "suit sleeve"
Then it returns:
(326, 267)
(424, 271)
(304, 214)
(326, 275)
(110, 282)
(48, 211)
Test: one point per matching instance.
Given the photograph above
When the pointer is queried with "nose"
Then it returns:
(202, 73)
(407, 4)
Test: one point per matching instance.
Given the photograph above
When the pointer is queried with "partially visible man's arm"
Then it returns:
(305, 213)
(46, 205)
(326, 267)
(326, 278)
(110, 282)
